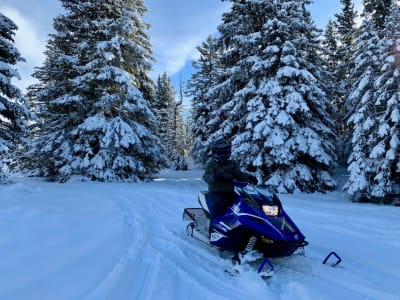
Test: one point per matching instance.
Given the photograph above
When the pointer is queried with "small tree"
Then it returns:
(163, 102)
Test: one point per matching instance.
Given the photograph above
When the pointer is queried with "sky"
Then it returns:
(178, 26)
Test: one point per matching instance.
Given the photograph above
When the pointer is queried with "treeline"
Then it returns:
(295, 102)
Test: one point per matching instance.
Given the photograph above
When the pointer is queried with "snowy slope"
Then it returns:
(128, 241)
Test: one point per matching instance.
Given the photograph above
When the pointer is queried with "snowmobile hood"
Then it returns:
(263, 212)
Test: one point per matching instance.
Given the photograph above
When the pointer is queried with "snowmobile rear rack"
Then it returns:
(198, 226)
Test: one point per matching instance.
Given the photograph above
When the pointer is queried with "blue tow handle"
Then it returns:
(338, 259)
(266, 261)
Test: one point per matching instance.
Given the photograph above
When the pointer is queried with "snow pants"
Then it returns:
(219, 203)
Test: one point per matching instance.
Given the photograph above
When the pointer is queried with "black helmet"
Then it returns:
(221, 150)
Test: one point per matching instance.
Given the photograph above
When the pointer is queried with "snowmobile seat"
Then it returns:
(204, 201)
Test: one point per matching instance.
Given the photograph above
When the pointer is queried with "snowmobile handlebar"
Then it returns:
(241, 184)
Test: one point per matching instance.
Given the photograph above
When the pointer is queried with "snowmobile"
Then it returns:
(254, 223)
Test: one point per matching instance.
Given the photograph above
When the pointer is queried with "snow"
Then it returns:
(128, 241)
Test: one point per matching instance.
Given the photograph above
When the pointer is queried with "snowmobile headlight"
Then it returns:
(271, 210)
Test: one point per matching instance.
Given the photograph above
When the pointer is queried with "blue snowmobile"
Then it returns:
(255, 222)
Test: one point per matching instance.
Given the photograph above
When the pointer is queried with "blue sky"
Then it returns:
(178, 26)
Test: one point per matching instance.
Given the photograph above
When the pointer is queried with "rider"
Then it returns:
(219, 174)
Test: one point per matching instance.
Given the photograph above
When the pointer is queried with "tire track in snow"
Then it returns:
(163, 262)
(295, 271)
(205, 269)
(123, 276)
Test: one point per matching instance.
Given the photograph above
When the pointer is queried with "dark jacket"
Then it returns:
(219, 176)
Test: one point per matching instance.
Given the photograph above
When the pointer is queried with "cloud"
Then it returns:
(172, 56)
(178, 30)
(178, 27)
(29, 43)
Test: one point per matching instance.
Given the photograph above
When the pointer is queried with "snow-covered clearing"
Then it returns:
(128, 241)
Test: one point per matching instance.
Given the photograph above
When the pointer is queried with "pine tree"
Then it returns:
(94, 119)
(346, 22)
(181, 149)
(163, 103)
(360, 106)
(13, 105)
(379, 10)
(385, 142)
(176, 137)
(207, 71)
(346, 32)
(274, 106)
(330, 42)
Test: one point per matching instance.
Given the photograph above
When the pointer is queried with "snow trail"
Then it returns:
(128, 241)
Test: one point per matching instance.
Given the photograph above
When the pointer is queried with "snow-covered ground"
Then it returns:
(128, 241)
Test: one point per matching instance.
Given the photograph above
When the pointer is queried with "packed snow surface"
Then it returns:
(128, 241)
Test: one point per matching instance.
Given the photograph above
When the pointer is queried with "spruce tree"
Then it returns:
(94, 118)
(207, 71)
(181, 137)
(345, 22)
(346, 33)
(330, 42)
(379, 10)
(13, 105)
(374, 162)
(163, 104)
(176, 137)
(360, 106)
(385, 142)
(274, 107)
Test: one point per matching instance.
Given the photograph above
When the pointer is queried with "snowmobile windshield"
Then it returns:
(268, 203)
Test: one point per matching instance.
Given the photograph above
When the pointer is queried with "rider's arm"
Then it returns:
(243, 176)
(208, 175)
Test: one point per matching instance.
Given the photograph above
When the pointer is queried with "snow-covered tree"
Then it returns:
(379, 10)
(163, 101)
(330, 42)
(344, 60)
(207, 71)
(385, 151)
(375, 160)
(13, 105)
(346, 30)
(176, 139)
(360, 106)
(170, 128)
(94, 119)
(181, 133)
(274, 104)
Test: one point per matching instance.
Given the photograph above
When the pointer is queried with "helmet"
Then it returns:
(221, 150)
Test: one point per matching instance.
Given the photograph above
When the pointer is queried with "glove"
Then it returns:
(253, 180)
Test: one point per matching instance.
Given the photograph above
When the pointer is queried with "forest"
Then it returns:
(296, 102)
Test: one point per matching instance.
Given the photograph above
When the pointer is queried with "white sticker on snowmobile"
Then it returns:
(216, 236)
(224, 227)
(203, 201)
